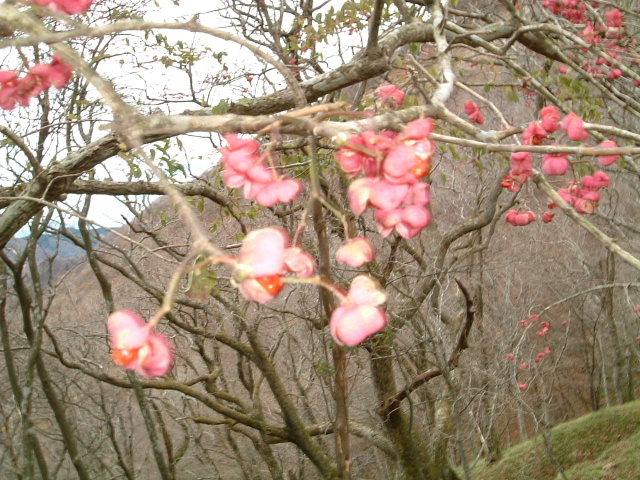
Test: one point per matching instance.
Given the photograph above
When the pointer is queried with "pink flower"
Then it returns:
(264, 258)
(588, 34)
(574, 126)
(522, 386)
(550, 117)
(597, 181)
(356, 252)
(522, 163)
(359, 316)
(408, 162)
(523, 366)
(135, 347)
(614, 18)
(408, 221)
(614, 74)
(520, 219)
(299, 262)
(511, 183)
(56, 74)
(244, 168)
(606, 160)
(547, 216)
(273, 192)
(386, 195)
(554, 165)
(511, 357)
(70, 7)
(359, 194)
(418, 129)
(15, 90)
(474, 113)
(533, 134)
(391, 95)
(261, 264)
(353, 160)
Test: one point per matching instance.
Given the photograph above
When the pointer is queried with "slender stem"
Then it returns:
(341, 423)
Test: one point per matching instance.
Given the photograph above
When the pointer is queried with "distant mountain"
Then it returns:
(50, 245)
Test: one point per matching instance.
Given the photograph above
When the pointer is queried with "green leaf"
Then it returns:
(221, 108)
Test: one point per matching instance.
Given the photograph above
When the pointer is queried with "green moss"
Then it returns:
(602, 445)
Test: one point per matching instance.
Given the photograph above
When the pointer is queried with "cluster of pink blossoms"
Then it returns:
(245, 167)
(583, 195)
(393, 165)
(20, 90)
(70, 7)
(136, 347)
(266, 257)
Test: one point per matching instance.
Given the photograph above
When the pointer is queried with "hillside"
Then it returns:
(602, 445)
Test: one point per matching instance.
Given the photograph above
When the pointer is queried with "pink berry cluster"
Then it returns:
(245, 167)
(70, 7)
(541, 355)
(136, 347)
(40, 77)
(393, 165)
(611, 38)
(473, 112)
(572, 10)
(391, 96)
(582, 195)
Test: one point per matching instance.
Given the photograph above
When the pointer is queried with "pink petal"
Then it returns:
(252, 290)
(554, 165)
(606, 160)
(155, 358)
(351, 325)
(359, 194)
(128, 330)
(418, 129)
(418, 195)
(574, 126)
(299, 262)
(263, 252)
(365, 290)
(386, 195)
(356, 252)
(289, 189)
(414, 219)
